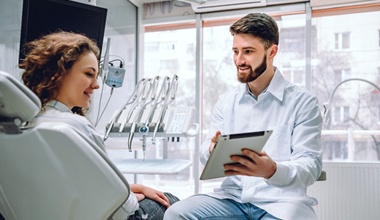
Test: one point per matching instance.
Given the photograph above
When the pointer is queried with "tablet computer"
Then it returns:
(232, 144)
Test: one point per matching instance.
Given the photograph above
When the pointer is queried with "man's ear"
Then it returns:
(273, 50)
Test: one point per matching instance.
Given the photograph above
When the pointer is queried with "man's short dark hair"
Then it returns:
(259, 25)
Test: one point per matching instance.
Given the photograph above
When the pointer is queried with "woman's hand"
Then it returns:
(143, 192)
(139, 196)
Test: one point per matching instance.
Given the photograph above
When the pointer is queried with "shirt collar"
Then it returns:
(276, 87)
(57, 105)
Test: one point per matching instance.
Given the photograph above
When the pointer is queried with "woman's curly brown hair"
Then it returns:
(49, 58)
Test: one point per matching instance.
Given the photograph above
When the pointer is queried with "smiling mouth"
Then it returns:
(243, 67)
(87, 94)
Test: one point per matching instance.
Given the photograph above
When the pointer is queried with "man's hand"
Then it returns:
(251, 163)
(213, 141)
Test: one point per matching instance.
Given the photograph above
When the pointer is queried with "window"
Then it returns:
(166, 53)
(354, 103)
(292, 39)
(341, 114)
(295, 75)
(219, 70)
(341, 75)
(342, 41)
(336, 54)
(336, 150)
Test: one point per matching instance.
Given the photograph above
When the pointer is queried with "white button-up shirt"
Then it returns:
(294, 116)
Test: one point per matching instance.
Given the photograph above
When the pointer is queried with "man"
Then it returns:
(270, 184)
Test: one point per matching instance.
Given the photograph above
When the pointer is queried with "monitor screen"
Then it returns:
(41, 17)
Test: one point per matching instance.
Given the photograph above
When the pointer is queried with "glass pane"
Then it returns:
(167, 53)
(219, 71)
(122, 53)
(172, 52)
(291, 55)
(355, 129)
(345, 40)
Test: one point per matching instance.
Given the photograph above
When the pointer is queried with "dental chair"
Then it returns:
(51, 171)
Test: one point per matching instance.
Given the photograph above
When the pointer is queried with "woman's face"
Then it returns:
(80, 82)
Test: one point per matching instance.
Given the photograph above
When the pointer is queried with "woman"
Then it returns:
(62, 69)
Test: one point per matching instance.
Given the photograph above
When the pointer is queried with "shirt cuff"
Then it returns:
(280, 176)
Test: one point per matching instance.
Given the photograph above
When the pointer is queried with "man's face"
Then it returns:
(250, 57)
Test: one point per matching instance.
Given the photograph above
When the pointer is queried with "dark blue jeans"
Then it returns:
(152, 210)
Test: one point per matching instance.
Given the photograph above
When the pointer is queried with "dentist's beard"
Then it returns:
(253, 75)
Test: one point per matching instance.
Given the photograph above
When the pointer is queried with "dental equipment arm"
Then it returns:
(134, 105)
(143, 103)
(143, 130)
(172, 91)
(131, 99)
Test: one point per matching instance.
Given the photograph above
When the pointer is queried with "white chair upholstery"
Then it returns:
(51, 171)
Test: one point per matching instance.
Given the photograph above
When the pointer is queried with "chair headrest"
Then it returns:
(16, 100)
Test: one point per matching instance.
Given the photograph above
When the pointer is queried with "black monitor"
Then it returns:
(41, 17)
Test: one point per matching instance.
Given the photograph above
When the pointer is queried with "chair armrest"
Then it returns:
(323, 176)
